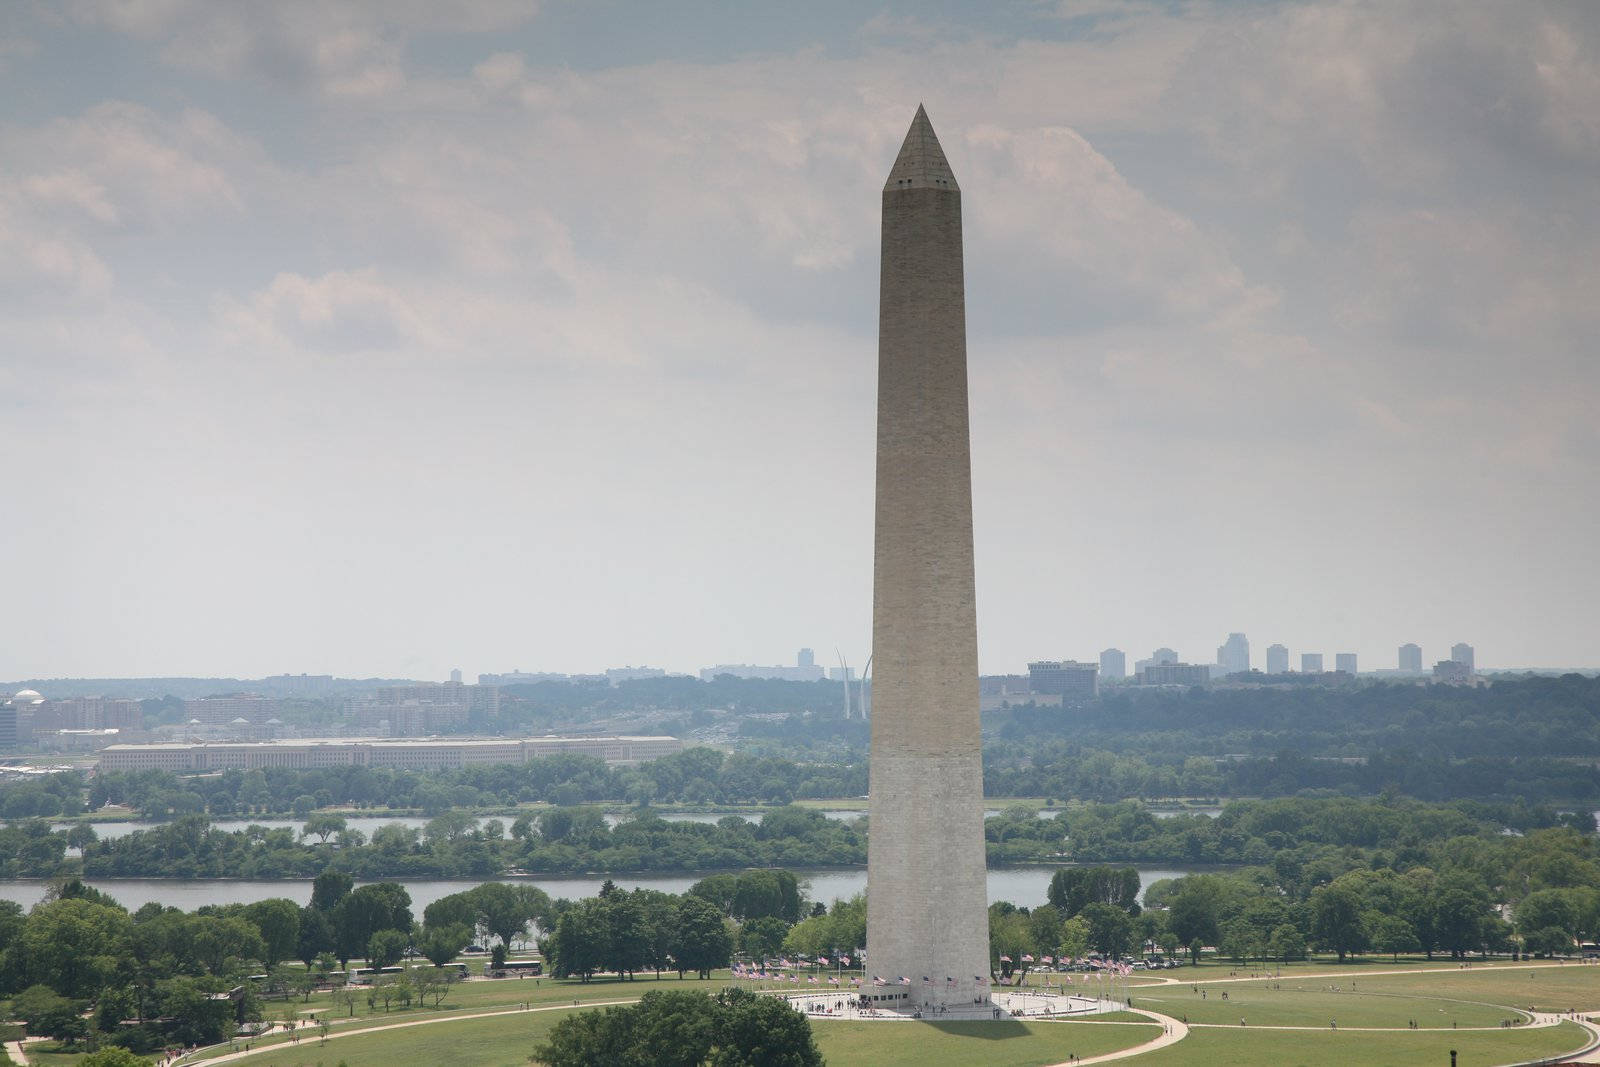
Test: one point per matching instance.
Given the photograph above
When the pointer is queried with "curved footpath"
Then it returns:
(1172, 1031)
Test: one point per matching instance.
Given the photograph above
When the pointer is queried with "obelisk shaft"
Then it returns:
(927, 917)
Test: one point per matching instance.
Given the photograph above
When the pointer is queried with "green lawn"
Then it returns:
(1303, 1002)
(1279, 1048)
(1574, 986)
(505, 1041)
(1011, 1042)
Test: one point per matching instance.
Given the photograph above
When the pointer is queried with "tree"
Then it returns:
(386, 948)
(579, 945)
(323, 825)
(1549, 941)
(1073, 888)
(1336, 919)
(441, 944)
(315, 936)
(48, 1014)
(1192, 914)
(506, 910)
(681, 1029)
(701, 940)
(278, 921)
(74, 945)
(1392, 934)
(1286, 943)
(1110, 929)
(329, 888)
(757, 1031)
(380, 906)
(761, 937)
(1074, 940)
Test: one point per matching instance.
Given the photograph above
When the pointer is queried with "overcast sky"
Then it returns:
(385, 338)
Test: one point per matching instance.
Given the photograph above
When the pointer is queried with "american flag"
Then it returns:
(823, 960)
(1026, 958)
(878, 981)
(904, 980)
(1005, 959)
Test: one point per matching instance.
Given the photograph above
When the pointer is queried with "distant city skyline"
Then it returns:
(474, 341)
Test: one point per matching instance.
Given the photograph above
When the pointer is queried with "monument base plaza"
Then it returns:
(1003, 1004)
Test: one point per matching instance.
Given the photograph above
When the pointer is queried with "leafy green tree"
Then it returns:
(1337, 919)
(315, 935)
(323, 826)
(1073, 888)
(681, 1029)
(761, 937)
(379, 906)
(1193, 914)
(441, 944)
(1287, 943)
(702, 942)
(1110, 929)
(1074, 940)
(1392, 934)
(385, 948)
(757, 1031)
(74, 945)
(330, 888)
(48, 1014)
(579, 945)
(278, 922)
(1549, 941)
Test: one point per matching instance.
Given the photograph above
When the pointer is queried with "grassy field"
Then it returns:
(1014, 1043)
(505, 1041)
(1573, 987)
(1305, 1003)
(1280, 1048)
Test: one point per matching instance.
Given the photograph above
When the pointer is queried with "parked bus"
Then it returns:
(519, 967)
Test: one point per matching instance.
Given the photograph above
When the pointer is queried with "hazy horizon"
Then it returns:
(378, 340)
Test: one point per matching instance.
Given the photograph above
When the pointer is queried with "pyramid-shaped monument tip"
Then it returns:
(921, 163)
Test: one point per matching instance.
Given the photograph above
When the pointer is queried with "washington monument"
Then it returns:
(927, 900)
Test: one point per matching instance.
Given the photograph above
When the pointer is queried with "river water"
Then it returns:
(1024, 886)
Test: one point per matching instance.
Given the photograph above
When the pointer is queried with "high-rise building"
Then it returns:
(927, 914)
(1113, 665)
(1452, 672)
(455, 677)
(1234, 655)
(1311, 663)
(1277, 659)
(1345, 661)
(1068, 679)
(1175, 674)
(1411, 659)
(806, 658)
(1157, 658)
(1463, 654)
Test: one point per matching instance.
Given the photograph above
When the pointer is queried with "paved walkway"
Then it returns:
(14, 1050)
(1172, 1031)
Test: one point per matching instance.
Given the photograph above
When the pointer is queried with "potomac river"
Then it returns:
(1024, 886)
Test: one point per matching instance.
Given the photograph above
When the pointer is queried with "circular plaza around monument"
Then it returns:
(1032, 1004)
